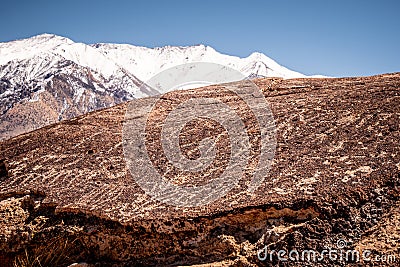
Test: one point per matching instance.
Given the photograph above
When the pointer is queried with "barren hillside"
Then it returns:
(335, 176)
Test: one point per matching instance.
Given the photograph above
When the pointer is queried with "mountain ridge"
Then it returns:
(47, 78)
(64, 41)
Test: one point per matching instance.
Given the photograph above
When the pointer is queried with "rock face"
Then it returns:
(62, 96)
(67, 195)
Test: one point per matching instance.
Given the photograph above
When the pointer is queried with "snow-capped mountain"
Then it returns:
(146, 62)
(47, 78)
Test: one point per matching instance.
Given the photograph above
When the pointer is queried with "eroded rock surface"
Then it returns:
(335, 176)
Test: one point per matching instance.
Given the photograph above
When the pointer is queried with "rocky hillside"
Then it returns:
(67, 195)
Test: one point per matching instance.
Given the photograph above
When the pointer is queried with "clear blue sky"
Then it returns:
(338, 38)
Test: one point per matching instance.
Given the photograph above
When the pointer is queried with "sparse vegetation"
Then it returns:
(53, 254)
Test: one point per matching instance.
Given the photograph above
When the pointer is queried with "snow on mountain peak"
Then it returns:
(140, 61)
(110, 60)
(256, 55)
(49, 36)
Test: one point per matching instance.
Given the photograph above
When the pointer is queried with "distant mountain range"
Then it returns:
(47, 78)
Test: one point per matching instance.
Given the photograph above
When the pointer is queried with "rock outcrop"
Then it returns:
(66, 194)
